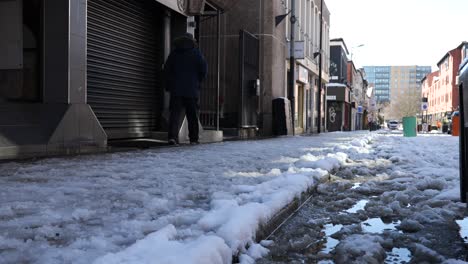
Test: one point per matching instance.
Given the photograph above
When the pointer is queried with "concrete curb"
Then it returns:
(266, 230)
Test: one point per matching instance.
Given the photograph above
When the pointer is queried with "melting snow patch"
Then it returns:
(463, 228)
(398, 256)
(377, 226)
(360, 249)
(329, 230)
(358, 206)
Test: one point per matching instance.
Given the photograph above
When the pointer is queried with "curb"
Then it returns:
(279, 219)
(266, 230)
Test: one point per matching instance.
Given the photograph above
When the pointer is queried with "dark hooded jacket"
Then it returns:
(185, 69)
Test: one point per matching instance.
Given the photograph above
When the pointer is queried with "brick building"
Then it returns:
(440, 87)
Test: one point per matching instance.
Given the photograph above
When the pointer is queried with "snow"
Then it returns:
(205, 203)
(360, 249)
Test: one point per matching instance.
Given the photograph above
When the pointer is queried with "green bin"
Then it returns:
(409, 126)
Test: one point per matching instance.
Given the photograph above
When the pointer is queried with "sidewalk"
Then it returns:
(189, 204)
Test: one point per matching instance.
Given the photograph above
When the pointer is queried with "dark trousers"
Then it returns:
(177, 106)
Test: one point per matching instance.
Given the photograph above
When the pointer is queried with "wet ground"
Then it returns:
(322, 231)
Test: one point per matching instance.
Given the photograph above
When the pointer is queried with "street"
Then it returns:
(388, 198)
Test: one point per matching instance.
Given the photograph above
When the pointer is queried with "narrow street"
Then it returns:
(396, 204)
(387, 194)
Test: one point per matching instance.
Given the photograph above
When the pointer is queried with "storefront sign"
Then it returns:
(331, 97)
(360, 109)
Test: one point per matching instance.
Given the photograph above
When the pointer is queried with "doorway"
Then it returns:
(20, 46)
(299, 106)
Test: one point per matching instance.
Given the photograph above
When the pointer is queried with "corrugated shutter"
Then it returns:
(124, 66)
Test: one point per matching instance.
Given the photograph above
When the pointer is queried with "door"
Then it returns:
(125, 58)
(334, 116)
(299, 108)
(249, 79)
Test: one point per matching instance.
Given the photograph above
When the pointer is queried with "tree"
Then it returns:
(406, 104)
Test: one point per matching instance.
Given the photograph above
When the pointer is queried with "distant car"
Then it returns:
(393, 125)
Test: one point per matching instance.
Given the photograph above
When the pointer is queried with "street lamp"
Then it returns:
(352, 49)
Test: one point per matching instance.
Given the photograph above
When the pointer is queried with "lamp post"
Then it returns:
(352, 49)
(319, 103)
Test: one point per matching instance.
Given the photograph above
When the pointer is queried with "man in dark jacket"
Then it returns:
(184, 71)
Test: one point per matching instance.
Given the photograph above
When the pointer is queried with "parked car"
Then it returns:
(392, 125)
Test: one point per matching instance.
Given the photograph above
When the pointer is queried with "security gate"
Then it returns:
(124, 58)
(334, 116)
(249, 79)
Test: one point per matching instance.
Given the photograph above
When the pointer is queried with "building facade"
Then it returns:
(379, 77)
(339, 108)
(356, 80)
(311, 19)
(78, 73)
(440, 87)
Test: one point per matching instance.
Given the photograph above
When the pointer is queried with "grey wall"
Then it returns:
(257, 17)
(64, 51)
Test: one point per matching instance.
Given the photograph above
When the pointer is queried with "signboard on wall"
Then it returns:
(299, 50)
(360, 109)
(424, 106)
(372, 104)
(303, 74)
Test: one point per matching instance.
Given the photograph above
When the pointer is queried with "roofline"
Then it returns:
(424, 78)
(342, 41)
(448, 53)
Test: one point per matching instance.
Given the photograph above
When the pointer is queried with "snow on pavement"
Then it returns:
(198, 204)
(397, 203)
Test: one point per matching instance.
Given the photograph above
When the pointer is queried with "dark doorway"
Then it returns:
(249, 79)
(20, 49)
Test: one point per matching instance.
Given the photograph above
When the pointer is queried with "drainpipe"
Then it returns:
(167, 51)
(292, 62)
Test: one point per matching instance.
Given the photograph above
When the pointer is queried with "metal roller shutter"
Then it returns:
(124, 66)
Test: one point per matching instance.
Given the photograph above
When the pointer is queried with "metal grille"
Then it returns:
(124, 61)
(209, 46)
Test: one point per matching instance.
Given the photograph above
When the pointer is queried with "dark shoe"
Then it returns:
(194, 142)
(172, 142)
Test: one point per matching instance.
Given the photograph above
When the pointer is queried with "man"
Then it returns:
(184, 71)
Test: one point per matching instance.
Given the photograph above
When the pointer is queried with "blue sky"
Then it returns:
(399, 32)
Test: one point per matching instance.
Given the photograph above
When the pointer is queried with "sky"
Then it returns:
(399, 32)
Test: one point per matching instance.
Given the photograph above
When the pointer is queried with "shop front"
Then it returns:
(338, 107)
